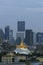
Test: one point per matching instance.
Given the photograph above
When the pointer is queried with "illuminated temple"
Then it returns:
(22, 45)
(22, 49)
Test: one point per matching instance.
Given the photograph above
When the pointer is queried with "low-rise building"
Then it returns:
(8, 57)
(39, 49)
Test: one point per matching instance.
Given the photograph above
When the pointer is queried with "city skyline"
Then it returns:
(30, 11)
(15, 31)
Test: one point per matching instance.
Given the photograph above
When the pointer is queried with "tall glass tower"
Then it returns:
(7, 32)
(21, 26)
(21, 29)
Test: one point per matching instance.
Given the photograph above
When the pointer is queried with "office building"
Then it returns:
(29, 37)
(21, 35)
(11, 38)
(21, 26)
(2, 36)
(34, 38)
(7, 29)
(21, 29)
(39, 37)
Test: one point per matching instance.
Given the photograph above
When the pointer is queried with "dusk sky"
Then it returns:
(30, 11)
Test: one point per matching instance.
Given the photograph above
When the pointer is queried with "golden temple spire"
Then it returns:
(22, 45)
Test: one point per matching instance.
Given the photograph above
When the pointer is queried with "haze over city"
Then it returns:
(21, 32)
(30, 11)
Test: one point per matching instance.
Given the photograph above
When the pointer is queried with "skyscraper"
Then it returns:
(2, 36)
(29, 37)
(21, 35)
(21, 26)
(39, 37)
(7, 32)
(34, 38)
(11, 38)
(21, 29)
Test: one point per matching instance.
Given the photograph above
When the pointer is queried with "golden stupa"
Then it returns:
(22, 49)
(22, 45)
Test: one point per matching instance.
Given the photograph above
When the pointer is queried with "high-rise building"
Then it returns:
(34, 38)
(21, 26)
(7, 32)
(2, 36)
(20, 29)
(11, 38)
(29, 37)
(21, 35)
(39, 37)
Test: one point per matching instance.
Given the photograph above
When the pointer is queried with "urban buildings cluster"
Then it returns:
(27, 47)
(8, 35)
(26, 35)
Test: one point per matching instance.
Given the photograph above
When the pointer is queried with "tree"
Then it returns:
(6, 46)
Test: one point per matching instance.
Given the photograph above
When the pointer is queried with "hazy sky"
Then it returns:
(31, 11)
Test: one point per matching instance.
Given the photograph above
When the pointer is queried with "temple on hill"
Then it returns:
(22, 49)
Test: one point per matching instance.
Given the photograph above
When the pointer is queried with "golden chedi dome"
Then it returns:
(22, 45)
(22, 49)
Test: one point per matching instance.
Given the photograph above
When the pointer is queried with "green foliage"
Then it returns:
(21, 60)
(26, 61)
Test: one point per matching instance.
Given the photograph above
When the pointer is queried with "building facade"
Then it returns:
(20, 30)
(39, 37)
(21, 26)
(34, 38)
(21, 35)
(29, 37)
(11, 38)
(2, 36)
(7, 29)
